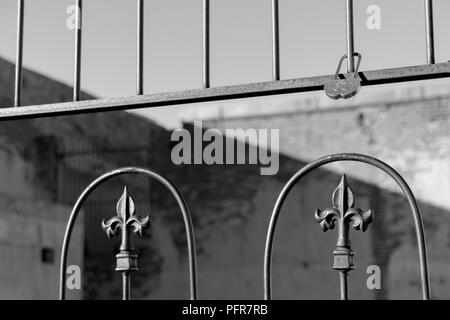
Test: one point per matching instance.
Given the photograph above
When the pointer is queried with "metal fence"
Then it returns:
(342, 212)
(79, 167)
(431, 70)
(345, 216)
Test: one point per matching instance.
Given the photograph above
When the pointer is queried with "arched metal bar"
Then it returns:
(180, 201)
(356, 158)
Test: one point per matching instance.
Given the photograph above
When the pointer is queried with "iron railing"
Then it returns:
(344, 213)
(127, 222)
(342, 204)
(276, 86)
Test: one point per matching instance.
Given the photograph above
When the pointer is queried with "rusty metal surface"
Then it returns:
(184, 211)
(422, 72)
(345, 215)
(355, 158)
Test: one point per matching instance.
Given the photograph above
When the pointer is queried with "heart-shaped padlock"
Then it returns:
(344, 88)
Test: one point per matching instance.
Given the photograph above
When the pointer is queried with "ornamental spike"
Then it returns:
(126, 222)
(345, 216)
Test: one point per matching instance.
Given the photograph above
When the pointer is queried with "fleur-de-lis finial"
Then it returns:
(345, 215)
(343, 211)
(126, 222)
(125, 217)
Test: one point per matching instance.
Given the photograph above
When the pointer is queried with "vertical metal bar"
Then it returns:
(140, 48)
(19, 54)
(206, 46)
(429, 26)
(126, 286)
(343, 284)
(276, 40)
(77, 74)
(350, 38)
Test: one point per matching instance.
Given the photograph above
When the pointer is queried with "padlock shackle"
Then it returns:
(336, 76)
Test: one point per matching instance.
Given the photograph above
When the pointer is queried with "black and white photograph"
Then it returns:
(224, 150)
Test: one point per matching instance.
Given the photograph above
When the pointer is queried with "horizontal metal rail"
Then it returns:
(374, 77)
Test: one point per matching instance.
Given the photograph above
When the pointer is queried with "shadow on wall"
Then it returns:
(231, 206)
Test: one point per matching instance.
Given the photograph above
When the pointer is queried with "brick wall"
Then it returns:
(231, 206)
(413, 136)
